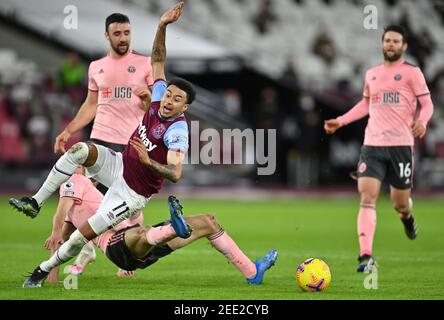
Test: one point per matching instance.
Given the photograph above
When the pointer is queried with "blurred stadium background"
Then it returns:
(282, 64)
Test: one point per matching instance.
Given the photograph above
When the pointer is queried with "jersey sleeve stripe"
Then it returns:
(157, 80)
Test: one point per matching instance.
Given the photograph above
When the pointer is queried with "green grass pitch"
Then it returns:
(299, 228)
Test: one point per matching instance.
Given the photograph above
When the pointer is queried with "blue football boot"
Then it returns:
(183, 230)
(262, 266)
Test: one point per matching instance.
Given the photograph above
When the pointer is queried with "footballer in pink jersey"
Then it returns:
(118, 87)
(127, 244)
(156, 150)
(119, 109)
(391, 94)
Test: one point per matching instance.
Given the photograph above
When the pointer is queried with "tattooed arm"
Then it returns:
(158, 54)
(171, 171)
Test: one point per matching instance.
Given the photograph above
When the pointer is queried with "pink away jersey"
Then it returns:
(392, 93)
(87, 200)
(119, 110)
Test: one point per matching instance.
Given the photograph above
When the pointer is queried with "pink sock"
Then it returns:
(156, 235)
(224, 244)
(366, 228)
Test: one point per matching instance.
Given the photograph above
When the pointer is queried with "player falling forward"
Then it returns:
(391, 93)
(132, 177)
(128, 244)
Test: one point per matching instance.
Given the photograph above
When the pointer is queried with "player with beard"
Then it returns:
(118, 89)
(392, 91)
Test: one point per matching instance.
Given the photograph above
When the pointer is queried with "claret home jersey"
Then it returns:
(119, 110)
(159, 136)
(392, 93)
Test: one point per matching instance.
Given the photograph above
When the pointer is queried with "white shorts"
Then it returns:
(120, 202)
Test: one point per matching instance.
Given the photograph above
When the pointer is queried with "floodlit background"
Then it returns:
(283, 64)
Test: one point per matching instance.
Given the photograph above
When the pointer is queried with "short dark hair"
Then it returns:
(186, 86)
(115, 17)
(395, 28)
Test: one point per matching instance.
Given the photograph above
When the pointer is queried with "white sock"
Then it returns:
(68, 250)
(62, 171)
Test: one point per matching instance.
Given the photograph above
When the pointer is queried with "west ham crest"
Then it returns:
(158, 131)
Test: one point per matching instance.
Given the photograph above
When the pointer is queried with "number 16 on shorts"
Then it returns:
(404, 170)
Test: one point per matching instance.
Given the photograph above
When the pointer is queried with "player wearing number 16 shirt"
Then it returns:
(392, 91)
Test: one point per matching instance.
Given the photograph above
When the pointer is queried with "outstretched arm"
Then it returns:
(84, 116)
(360, 110)
(158, 54)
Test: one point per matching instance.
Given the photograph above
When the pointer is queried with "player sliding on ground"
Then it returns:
(153, 153)
(391, 93)
(79, 200)
(129, 249)
(128, 245)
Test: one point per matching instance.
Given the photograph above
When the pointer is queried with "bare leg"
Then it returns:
(401, 201)
(403, 204)
(202, 226)
(207, 226)
(136, 241)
